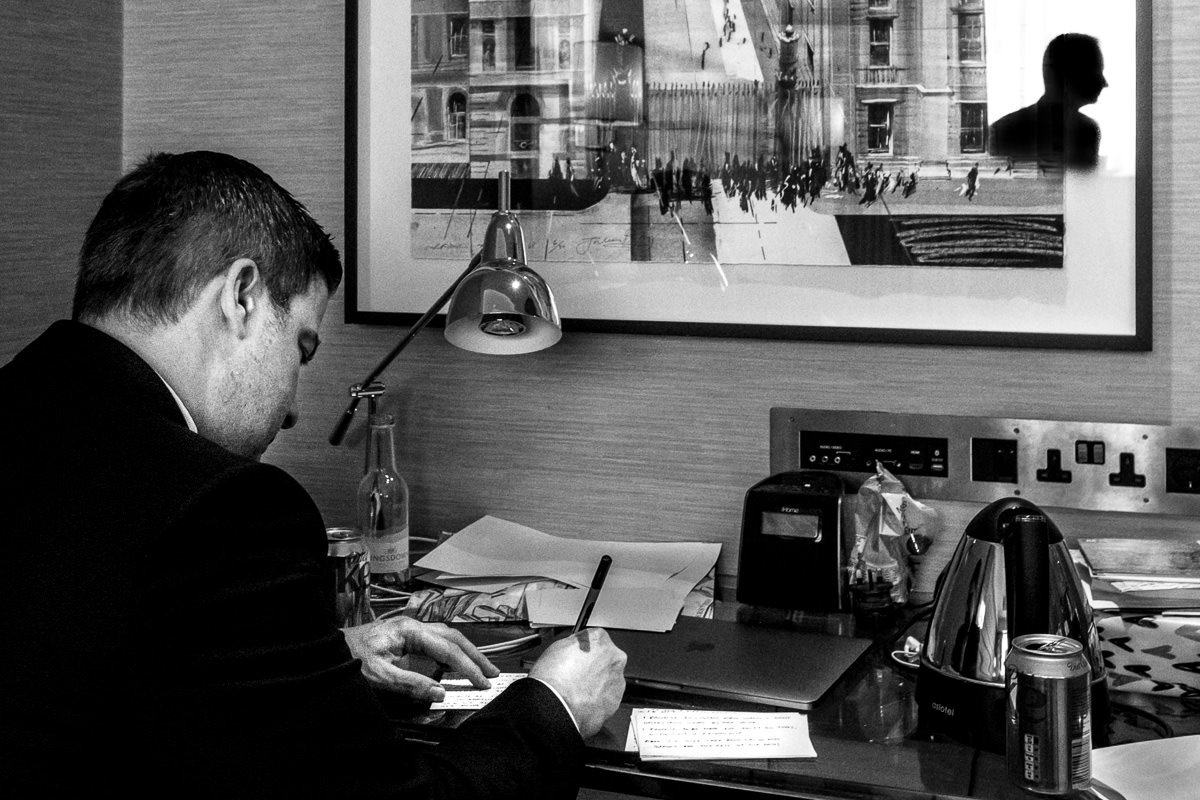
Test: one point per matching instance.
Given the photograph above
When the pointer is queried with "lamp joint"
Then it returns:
(371, 390)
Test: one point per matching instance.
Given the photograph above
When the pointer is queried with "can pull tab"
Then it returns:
(1062, 644)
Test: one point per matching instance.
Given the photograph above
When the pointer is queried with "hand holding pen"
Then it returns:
(585, 668)
(589, 600)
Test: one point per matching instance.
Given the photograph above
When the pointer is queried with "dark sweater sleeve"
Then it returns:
(522, 745)
(258, 694)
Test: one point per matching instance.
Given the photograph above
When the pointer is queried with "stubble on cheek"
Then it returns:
(233, 410)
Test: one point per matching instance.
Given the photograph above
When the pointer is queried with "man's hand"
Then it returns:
(390, 649)
(588, 671)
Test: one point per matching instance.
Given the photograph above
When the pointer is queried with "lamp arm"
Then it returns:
(343, 424)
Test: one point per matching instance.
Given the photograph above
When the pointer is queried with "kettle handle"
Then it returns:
(1027, 572)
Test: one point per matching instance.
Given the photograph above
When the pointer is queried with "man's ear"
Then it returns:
(243, 296)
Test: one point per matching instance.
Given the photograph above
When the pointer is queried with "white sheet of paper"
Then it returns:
(681, 734)
(491, 550)
(1162, 769)
(493, 547)
(462, 696)
(632, 609)
(630, 739)
(472, 584)
(1150, 586)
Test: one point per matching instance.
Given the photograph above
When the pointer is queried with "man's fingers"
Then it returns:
(455, 651)
(485, 665)
(409, 683)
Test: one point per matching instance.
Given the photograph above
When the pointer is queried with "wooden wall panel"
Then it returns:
(619, 436)
(60, 151)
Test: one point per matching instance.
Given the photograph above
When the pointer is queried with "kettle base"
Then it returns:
(967, 711)
(975, 714)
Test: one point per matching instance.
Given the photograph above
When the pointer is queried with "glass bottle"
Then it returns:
(382, 507)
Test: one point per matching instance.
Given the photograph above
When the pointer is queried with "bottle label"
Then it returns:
(389, 556)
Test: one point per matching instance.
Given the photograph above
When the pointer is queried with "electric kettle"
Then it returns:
(1010, 575)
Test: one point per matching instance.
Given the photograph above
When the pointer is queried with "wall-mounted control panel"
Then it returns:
(904, 455)
(1100, 466)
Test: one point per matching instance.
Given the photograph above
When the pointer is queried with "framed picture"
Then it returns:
(931, 172)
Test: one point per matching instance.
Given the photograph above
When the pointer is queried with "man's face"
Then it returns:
(258, 395)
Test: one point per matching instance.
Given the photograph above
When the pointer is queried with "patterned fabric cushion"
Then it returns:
(1151, 653)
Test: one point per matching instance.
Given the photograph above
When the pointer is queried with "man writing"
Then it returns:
(168, 624)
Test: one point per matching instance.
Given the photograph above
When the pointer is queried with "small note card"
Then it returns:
(664, 734)
(462, 696)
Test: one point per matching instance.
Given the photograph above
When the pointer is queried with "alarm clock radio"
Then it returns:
(791, 553)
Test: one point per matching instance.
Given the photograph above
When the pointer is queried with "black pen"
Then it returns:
(589, 602)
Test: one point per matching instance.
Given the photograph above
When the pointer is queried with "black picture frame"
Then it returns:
(366, 88)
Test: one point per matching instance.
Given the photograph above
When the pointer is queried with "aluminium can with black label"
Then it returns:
(1049, 736)
(350, 566)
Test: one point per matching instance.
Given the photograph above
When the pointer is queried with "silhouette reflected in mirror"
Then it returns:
(1053, 130)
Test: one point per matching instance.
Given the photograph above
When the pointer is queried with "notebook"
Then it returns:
(751, 663)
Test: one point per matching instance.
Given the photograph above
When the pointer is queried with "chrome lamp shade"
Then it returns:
(497, 306)
(503, 307)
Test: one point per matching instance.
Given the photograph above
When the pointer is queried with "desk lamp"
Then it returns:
(498, 305)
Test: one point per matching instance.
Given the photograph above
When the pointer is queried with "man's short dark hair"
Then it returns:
(1071, 59)
(176, 221)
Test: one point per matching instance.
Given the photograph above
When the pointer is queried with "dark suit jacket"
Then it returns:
(1047, 132)
(167, 621)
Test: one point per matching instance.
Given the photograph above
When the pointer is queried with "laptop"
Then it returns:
(750, 663)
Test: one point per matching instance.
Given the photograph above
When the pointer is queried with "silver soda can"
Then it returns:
(1049, 735)
(349, 564)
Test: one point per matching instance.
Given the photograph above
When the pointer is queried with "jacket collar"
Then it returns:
(101, 363)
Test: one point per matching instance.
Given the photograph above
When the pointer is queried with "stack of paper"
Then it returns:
(1131, 573)
(661, 734)
(1160, 561)
(646, 586)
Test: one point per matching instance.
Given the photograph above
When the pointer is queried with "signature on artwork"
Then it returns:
(589, 243)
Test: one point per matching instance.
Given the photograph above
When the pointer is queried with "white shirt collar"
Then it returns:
(187, 418)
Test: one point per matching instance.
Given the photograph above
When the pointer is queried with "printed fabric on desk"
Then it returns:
(1151, 653)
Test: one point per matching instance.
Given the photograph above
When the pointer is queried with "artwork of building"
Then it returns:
(916, 82)
(753, 108)
(532, 85)
(492, 84)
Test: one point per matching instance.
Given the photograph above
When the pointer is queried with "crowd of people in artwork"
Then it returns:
(762, 179)
(765, 179)
(872, 180)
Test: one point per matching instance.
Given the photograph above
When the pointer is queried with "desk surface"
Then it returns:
(863, 731)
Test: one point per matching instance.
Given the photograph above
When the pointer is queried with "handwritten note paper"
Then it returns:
(678, 734)
(462, 696)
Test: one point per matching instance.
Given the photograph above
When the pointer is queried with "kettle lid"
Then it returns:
(995, 521)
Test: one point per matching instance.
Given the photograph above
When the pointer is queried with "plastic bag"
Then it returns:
(891, 533)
